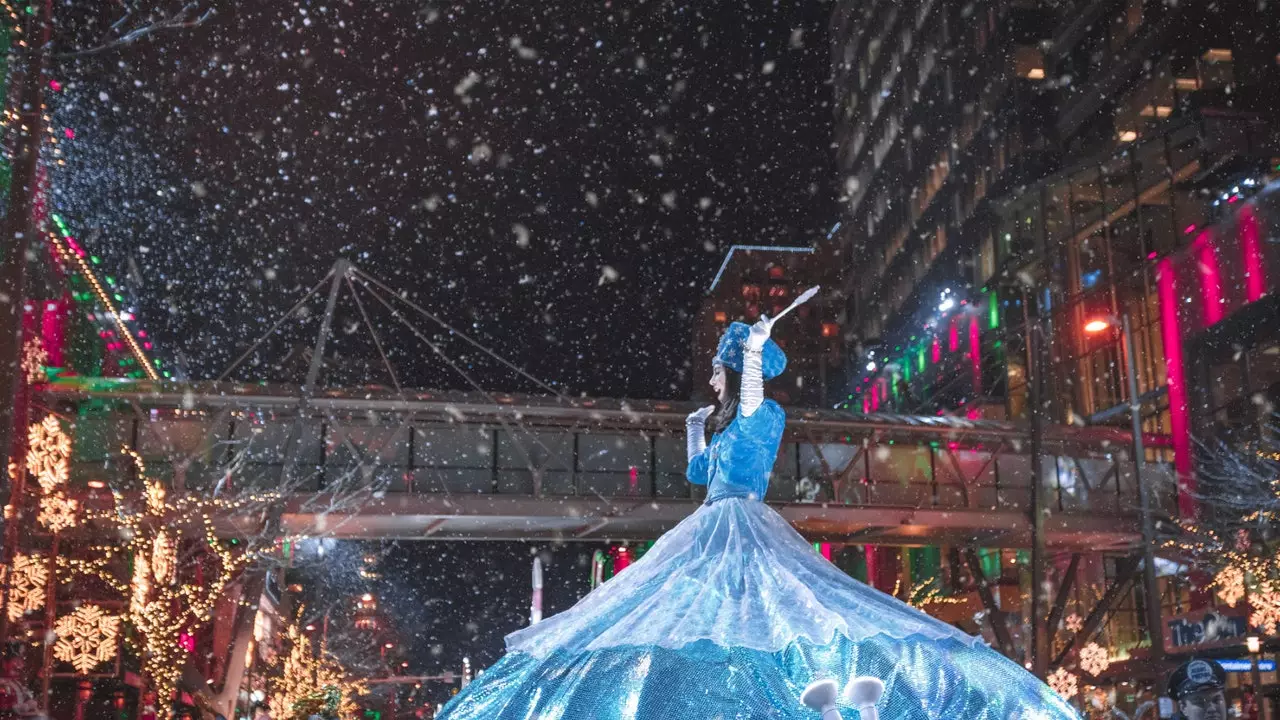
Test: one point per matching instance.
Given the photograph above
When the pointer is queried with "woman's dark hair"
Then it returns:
(733, 388)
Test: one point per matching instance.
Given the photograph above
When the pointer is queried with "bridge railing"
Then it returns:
(398, 454)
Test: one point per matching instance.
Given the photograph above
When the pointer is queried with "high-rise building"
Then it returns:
(1054, 168)
(1007, 160)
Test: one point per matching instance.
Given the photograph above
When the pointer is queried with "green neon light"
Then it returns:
(920, 360)
(906, 369)
(993, 311)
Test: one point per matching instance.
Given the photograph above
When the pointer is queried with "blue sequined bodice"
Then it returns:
(738, 460)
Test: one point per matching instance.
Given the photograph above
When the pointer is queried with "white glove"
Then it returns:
(695, 427)
(759, 334)
(752, 374)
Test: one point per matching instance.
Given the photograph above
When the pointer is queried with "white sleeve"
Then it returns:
(752, 383)
(695, 437)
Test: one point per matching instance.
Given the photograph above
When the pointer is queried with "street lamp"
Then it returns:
(1150, 587)
(1254, 644)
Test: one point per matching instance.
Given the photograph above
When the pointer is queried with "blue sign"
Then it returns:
(1243, 665)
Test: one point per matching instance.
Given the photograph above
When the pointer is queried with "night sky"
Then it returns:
(562, 180)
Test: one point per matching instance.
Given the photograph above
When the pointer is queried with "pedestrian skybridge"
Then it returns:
(379, 463)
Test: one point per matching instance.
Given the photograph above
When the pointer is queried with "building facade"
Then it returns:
(1014, 169)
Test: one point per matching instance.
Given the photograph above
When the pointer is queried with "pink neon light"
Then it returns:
(975, 355)
(1251, 246)
(935, 351)
(873, 565)
(1179, 415)
(875, 397)
(825, 549)
(866, 404)
(953, 335)
(1210, 278)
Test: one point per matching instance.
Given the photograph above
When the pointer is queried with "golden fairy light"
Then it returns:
(1266, 607)
(1230, 584)
(163, 558)
(1094, 659)
(86, 638)
(311, 677)
(1064, 682)
(28, 582)
(1074, 622)
(48, 453)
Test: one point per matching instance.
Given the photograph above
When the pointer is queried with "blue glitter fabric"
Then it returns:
(730, 615)
(737, 461)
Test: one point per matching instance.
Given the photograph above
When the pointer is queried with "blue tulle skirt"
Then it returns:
(730, 615)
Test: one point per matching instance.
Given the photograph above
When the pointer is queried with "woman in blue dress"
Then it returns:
(731, 614)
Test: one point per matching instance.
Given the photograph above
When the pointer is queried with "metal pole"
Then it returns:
(1256, 677)
(1150, 586)
(1039, 653)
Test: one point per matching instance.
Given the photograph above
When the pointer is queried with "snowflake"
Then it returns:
(33, 361)
(57, 512)
(86, 638)
(1063, 682)
(1074, 623)
(1266, 608)
(48, 453)
(1094, 659)
(27, 585)
(1230, 582)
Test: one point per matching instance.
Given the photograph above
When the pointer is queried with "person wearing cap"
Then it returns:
(1197, 686)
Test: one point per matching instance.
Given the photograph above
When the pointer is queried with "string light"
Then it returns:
(1266, 607)
(104, 298)
(1230, 584)
(311, 681)
(86, 638)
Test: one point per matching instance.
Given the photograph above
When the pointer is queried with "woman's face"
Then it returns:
(718, 383)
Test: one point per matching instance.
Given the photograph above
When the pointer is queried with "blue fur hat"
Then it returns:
(772, 360)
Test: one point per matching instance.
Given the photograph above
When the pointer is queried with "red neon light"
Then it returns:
(975, 355)
(1179, 415)
(935, 351)
(1210, 278)
(1251, 246)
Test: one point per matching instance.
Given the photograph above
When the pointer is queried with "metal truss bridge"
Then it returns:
(384, 463)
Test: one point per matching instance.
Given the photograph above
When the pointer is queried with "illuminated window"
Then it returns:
(721, 317)
(1128, 136)
(1218, 55)
(776, 271)
(1160, 111)
(830, 329)
(1187, 83)
(1028, 62)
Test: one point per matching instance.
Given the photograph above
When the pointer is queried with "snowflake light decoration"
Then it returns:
(57, 512)
(27, 585)
(1266, 608)
(34, 358)
(1094, 659)
(86, 638)
(1064, 683)
(49, 453)
(1230, 583)
(1074, 623)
